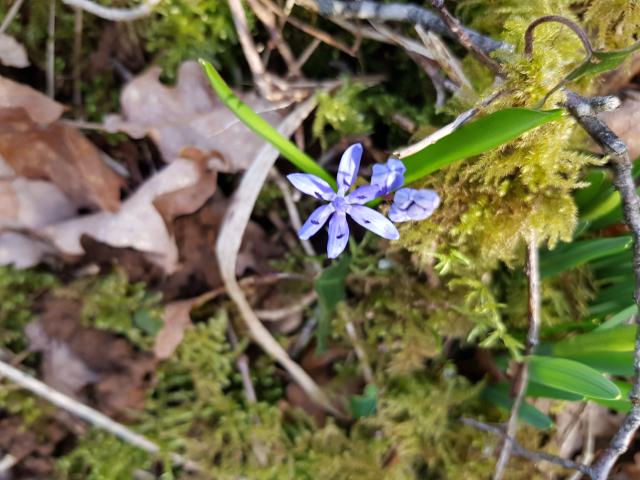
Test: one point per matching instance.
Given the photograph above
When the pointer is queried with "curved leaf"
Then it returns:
(498, 394)
(572, 377)
(618, 339)
(568, 256)
(475, 138)
(263, 128)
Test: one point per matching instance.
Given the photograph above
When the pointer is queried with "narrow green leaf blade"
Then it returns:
(618, 339)
(331, 290)
(475, 138)
(613, 363)
(602, 62)
(568, 256)
(498, 394)
(263, 128)
(572, 377)
(623, 404)
(619, 318)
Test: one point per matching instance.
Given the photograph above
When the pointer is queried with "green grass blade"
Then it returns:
(498, 394)
(263, 128)
(568, 256)
(475, 138)
(571, 376)
(618, 339)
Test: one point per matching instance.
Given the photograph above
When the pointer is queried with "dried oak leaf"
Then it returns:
(189, 116)
(40, 108)
(138, 224)
(26, 205)
(625, 122)
(61, 154)
(12, 52)
(107, 371)
(176, 321)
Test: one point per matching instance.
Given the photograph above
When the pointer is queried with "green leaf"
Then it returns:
(623, 404)
(537, 390)
(148, 323)
(602, 62)
(614, 363)
(585, 197)
(263, 128)
(364, 405)
(475, 138)
(619, 318)
(619, 339)
(330, 287)
(498, 394)
(568, 256)
(571, 376)
(612, 299)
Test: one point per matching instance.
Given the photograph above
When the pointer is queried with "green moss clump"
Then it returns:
(101, 456)
(18, 291)
(114, 304)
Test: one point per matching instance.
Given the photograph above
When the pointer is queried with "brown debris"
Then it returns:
(60, 154)
(105, 370)
(189, 119)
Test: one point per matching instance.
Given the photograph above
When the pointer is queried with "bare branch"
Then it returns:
(520, 451)
(522, 378)
(464, 36)
(396, 12)
(86, 413)
(115, 14)
(13, 11)
(584, 112)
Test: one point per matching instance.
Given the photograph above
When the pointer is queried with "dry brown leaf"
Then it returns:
(40, 108)
(138, 224)
(625, 122)
(176, 321)
(108, 371)
(61, 154)
(26, 205)
(189, 116)
(12, 53)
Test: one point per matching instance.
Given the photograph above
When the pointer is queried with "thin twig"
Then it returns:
(308, 29)
(115, 14)
(464, 36)
(520, 451)
(86, 413)
(242, 362)
(367, 371)
(294, 215)
(278, 314)
(51, 49)
(268, 19)
(306, 53)
(248, 47)
(77, 58)
(522, 378)
(460, 120)
(13, 11)
(582, 110)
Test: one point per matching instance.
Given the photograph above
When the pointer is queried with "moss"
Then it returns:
(613, 24)
(18, 291)
(114, 304)
(101, 456)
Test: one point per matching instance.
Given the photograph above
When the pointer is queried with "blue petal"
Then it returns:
(396, 214)
(315, 221)
(312, 185)
(403, 198)
(427, 199)
(388, 176)
(374, 221)
(338, 235)
(362, 195)
(348, 168)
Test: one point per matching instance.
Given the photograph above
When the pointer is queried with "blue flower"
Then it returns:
(411, 204)
(388, 176)
(340, 204)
